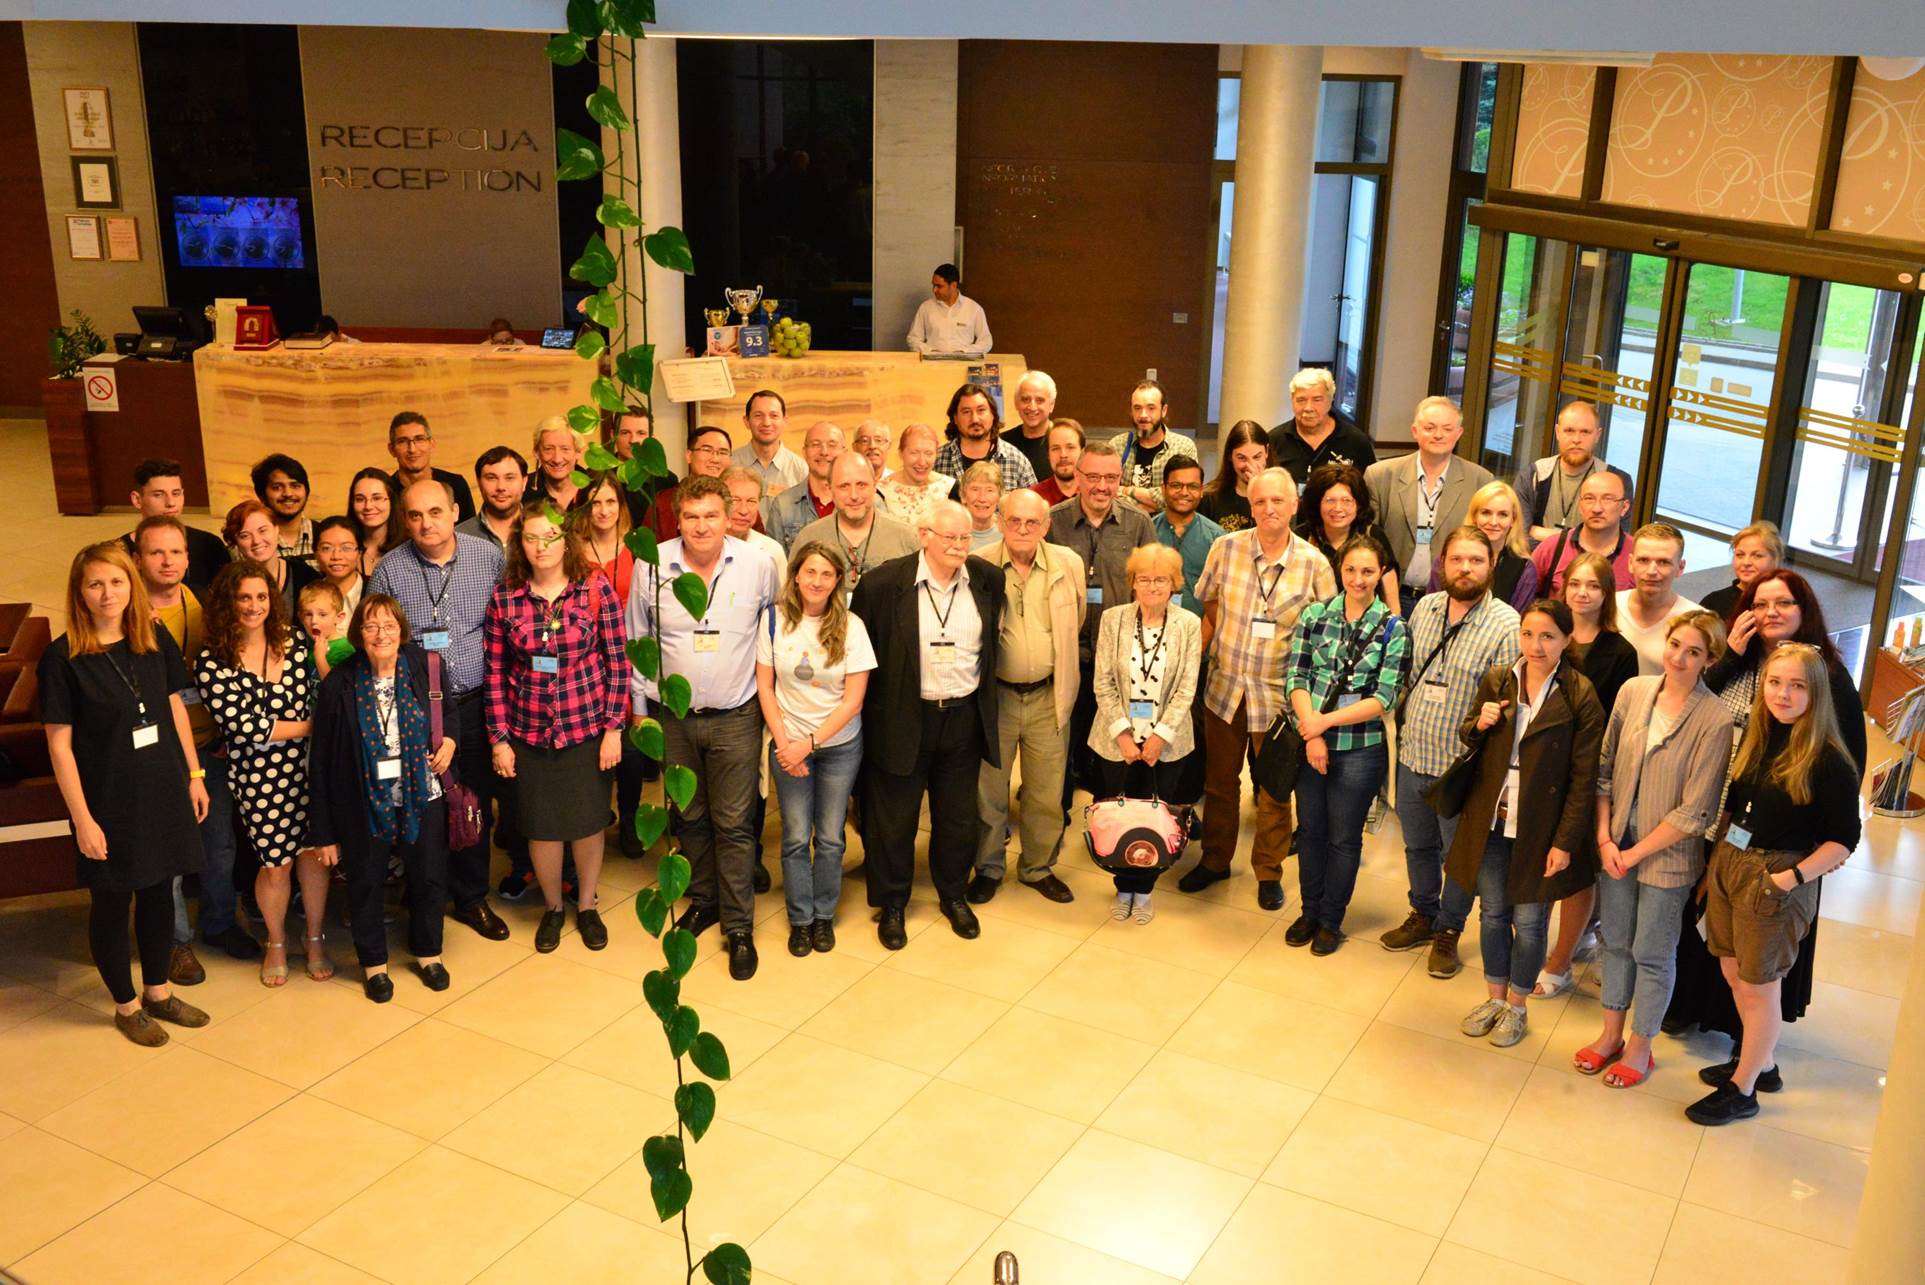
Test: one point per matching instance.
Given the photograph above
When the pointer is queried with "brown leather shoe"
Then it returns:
(173, 1009)
(183, 969)
(482, 918)
(140, 1028)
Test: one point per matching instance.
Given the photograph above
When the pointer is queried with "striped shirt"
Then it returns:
(1447, 664)
(453, 597)
(1017, 474)
(716, 653)
(1677, 780)
(1320, 651)
(1254, 597)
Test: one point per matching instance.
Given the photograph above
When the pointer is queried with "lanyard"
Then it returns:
(388, 712)
(1561, 495)
(139, 700)
(1442, 651)
(942, 617)
(1276, 577)
(1427, 502)
(447, 582)
(857, 558)
(1150, 654)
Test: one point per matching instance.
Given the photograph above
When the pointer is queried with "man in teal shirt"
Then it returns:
(1181, 527)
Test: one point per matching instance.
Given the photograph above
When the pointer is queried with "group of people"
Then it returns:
(1563, 727)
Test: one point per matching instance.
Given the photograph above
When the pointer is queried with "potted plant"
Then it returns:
(68, 347)
(64, 403)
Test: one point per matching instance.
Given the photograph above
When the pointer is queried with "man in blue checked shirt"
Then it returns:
(720, 738)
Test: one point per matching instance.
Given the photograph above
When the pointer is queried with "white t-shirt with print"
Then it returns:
(807, 687)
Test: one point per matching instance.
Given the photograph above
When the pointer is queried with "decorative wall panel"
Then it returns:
(1881, 173)
(1553, 128)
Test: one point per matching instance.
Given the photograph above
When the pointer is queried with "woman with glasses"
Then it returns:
(374, 504)
(337, 553)
(1335, 506)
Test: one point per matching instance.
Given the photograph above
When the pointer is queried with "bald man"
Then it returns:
(1037, 670)
(813, 497)
(866, 535)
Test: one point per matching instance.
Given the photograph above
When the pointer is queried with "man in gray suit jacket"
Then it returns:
(1424, 496)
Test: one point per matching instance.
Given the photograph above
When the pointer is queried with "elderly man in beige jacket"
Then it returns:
(1036, 666)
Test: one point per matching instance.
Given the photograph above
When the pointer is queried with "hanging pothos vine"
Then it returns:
(611, 28)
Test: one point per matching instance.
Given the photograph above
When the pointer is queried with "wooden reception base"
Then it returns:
(898, 388)
(330, 407)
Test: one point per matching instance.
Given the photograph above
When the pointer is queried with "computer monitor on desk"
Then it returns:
(165, 333)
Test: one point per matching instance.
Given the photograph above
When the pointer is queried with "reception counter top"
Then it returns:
(330, 407)
(898, 388)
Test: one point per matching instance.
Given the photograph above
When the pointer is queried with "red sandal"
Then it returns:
(1589, 1061)
(1624, 1077)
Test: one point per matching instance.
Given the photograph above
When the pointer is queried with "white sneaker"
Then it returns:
(1144, 910)
(1482, 1018)
(1512, 1026)
(1121, 910)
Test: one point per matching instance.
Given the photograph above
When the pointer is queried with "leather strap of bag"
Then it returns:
(1350, 667)
(436, 727)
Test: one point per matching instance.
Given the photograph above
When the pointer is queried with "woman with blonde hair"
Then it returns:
(1790, 818)
(811, 673)
(1756, 552)
(1496, 510)
(124, 760)
(557, 453)
(981, 492)
(911, 489)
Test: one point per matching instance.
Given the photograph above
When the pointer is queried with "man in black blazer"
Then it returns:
(929, 719)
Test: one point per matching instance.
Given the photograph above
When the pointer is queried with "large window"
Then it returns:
(1476, 105)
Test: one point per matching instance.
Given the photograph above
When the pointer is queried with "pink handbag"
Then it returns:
(1136, 835)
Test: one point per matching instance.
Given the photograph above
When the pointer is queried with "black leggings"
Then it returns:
(153, 909)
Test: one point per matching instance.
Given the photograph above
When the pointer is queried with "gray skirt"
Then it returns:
(561, 794)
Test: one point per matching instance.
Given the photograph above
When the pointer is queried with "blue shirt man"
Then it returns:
(1181, 527)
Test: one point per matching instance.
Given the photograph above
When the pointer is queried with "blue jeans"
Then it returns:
(1638, 926)
(1514, 937)
(1427, 837)
(1331, 808)
(217, 860)
(815, 805)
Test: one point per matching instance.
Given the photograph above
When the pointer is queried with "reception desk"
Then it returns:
(330, 407)
(898, 388)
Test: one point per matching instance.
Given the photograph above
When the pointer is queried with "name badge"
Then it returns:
(1738, 836)
(708, 640)
(1348, 699)
(546, 664)
(1094, 595)
(387, 769)
(435, 639)
(1263, 630)
(942, 653)
(1424, 534)
(1434, 692)
(146, 736)
(1143, 711)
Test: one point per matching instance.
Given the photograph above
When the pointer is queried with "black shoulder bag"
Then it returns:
(1280, 753)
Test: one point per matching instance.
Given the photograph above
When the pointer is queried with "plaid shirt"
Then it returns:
(1246, 668)
(588, 692)
(453, 597)
(1017, 473)
(1486, 636)
(1320, 651)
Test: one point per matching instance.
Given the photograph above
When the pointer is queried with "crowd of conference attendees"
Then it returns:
(380, 698)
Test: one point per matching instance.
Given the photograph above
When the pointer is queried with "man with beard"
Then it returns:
(1456, 635)
(1149, 446)
(280, 482)
(1314, 438)
(1065, 448)
(973, 438)
(501, 475)
(1550, 488)
(811, 498)
(1035, 404)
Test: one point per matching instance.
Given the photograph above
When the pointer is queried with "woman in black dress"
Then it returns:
(123, 756)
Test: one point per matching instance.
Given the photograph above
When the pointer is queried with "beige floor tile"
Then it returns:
(546, 1005)
(1377, 1164)
(630, 952)
(584, 1245)
(1237, 1027)
(60, 1056)
(1849, 1025)
(1455, 1264)
(1431, 1081)
(1873, 900)
(634, 1051)
(46, 938)
(820, 1096)
(155, 1118)
(1865, 959)
(1596, 1251)
(477, 1213)
(856, 922)
(1620, 1134)
(1140, 998)
(1705, 1245)
(1424, 1003)
(22, 1000)
(1051, 1063)
(296, 1163)
(564, 1128)
(859, 1227)
(10, 1126)
(1358, 979)
(1796, 1184)
(1191, 934)
(905, 1019)
(784, 992)
(1280, 1236)
(304, 1034)
(1824, 1098)
(1079, 919)
(1048, 1258)
(984, 1151)
(744, 1181)
(1017, 958)
(197, 1242)
(429, 1078)
(1223, 1117)
(1183, 1204)
(471, 962)
(294, 1264)
(52, 1186)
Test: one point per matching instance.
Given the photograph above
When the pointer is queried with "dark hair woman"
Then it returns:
(251, 534)
(374, 503)
(1335, 506)
(1246, 453)
(374, 792)
(123, 757)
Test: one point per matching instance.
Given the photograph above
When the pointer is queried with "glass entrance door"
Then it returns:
(1609, 343)
(1354, 294)
(1521, 391)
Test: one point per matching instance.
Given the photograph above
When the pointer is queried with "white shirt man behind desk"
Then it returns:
(949, 321)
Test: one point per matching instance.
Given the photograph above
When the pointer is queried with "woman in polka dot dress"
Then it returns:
(257, 679)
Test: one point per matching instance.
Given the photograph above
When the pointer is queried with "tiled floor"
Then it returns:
(1185, 1101)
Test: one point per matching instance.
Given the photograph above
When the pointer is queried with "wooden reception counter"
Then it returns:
(330, 407)
(898, 388)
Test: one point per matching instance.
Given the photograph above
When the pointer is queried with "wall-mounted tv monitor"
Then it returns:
(238, 231)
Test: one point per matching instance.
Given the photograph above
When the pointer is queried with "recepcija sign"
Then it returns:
(485, 143)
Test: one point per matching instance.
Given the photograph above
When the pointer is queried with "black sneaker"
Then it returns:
(1769, 1081)
(799, 941)
(1415, 931)
(1723, 1105)
(513, 887)
(1300, 933)
(1200, 877)
(548, 932)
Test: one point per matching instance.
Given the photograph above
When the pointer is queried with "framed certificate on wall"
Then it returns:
(83, 236)
(123, 238)
(96, 182)
(90, 126)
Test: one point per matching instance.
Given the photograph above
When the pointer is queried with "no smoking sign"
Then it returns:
(103, 390)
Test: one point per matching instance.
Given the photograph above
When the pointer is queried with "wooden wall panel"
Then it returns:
(26, 257)
(1083, 188)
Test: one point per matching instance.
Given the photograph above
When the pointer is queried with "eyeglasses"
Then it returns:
(379, 628)
(1022, 524)
(1183, 486)
(1154, 582)
(422, 440)
(961, 537)
(708, 450)
(336, 547)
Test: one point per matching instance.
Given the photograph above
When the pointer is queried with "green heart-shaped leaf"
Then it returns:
(651, 823)
(678, 948)
(662, 992)
(565, 51)
(589, 345)
(584, 19)
(668, 247)
(598, 457)
(602, 309)
(553, 514)
(673, 876)
(642, 543)
(726, 1264)
(646, 736)
(678, 782)
(695, 1108)
(710, 1058)
(635, 478)
(671, 1192)
(606, 395)
(652, 911)
(605, 108)
(630, 17)
(645, 654)
(654, 459)
(584, 419)
(676, 695)
(662, 1154)
(681, 1029)
(614, 212)
(578, 478)
(692, 594)
(576, 157)
(596, 266)
(636, 367)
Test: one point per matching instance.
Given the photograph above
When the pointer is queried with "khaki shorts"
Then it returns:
(1748, 919)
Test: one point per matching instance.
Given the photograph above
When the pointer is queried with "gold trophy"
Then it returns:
(716, 316)
(769, 307)
(743, 300)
